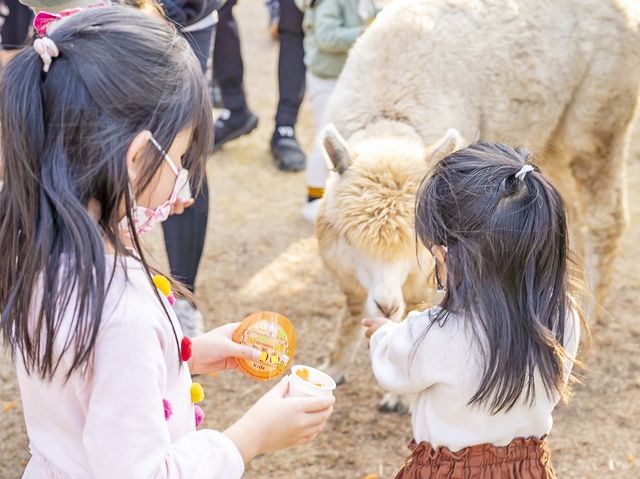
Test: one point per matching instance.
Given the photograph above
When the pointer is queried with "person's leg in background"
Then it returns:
(15, 21)
(319, 90)
(184, 234)
(236, 119)
(291, 72)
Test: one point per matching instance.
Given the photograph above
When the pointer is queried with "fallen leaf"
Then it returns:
(8, 407)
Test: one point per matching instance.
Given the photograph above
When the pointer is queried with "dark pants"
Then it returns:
(229, 69)
(184, 234)
(291, 69)
(16, 25)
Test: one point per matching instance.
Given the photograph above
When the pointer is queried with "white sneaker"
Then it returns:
(310, 210)
(189, 317)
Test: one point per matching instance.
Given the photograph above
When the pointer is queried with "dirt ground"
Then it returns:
(260, 254)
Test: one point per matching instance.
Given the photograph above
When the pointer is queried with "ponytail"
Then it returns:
(509, 269)
(55, 232)
(22, 138)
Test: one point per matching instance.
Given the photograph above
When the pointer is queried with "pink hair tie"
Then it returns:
(47, 49)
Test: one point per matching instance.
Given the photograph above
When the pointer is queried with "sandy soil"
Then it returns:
(260, 254)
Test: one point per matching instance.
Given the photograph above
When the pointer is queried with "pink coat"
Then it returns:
(110, 423)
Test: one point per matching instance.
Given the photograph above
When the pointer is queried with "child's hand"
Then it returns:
(373, 324)
(180, 205)
(216, 351)
(278, 422)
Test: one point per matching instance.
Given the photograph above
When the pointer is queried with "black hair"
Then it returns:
(64, 140)
(509, 268)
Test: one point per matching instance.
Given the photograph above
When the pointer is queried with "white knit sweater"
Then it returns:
(444, 372)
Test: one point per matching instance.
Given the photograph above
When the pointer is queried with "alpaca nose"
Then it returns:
(388, 309)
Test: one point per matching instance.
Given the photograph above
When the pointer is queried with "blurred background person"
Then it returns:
(237, 119)
(15, 22)
(331, 27)
(184, 235)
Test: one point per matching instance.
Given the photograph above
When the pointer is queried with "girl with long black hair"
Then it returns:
(490, 363)
(102, 123)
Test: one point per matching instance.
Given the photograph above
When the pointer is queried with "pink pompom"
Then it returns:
(171, 298)
(199, 413)
(168, 411)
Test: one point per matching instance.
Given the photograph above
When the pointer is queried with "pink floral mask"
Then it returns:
(145, 219)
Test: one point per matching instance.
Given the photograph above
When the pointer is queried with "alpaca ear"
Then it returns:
(450, 142)
(336, 148)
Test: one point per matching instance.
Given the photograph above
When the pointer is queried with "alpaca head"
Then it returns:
(370, 204)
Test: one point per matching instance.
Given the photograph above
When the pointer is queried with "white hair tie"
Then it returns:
(47, 49)
(523, 171)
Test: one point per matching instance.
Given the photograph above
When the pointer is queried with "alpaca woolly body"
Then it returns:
(560, 78)
(500, 71)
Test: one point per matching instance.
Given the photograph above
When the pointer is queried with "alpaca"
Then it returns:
(370, 244)
(559, 78)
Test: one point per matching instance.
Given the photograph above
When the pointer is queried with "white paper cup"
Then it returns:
(319, 384)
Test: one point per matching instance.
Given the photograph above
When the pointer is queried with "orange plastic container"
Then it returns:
(271, 333)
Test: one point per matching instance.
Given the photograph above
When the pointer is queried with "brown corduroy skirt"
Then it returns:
(520, 459)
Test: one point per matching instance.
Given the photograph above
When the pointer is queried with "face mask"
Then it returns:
(145, 219)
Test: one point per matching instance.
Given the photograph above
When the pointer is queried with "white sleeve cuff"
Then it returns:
(233, 462)
(381, 333)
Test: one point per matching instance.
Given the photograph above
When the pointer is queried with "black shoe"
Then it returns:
(231, 125)
(286, 150)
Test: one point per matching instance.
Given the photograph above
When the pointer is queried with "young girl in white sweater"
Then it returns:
(490, 363)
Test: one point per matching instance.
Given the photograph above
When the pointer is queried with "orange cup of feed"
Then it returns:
(308, 381)
(272, 334)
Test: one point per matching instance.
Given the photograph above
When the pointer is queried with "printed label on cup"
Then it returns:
(273, 335)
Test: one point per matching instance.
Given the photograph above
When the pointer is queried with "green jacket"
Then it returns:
(331, 27)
